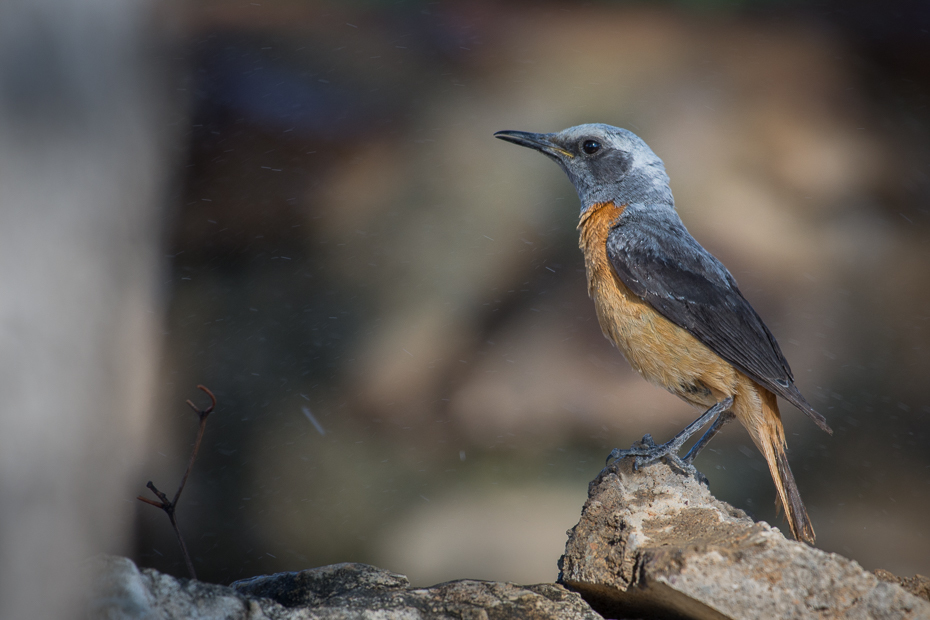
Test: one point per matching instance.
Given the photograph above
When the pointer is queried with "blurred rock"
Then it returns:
(314, 587)
(348, 590)
(120, 590)
(918, 585)
(656, 542)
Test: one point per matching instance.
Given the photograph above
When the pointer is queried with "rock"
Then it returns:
(655, 543)
(918, 585)
(121, 591)
(310, 588)
(342, 591)
(354, 590)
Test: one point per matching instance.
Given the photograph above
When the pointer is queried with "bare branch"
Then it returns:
(170, 506)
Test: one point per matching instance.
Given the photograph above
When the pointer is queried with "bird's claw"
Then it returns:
(643, 448)
(645, 452)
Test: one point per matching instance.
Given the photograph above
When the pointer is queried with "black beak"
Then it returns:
(539, 141)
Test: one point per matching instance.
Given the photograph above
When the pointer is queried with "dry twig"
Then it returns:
(170, 506)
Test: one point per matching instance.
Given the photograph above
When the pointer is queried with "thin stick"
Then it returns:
(169, 506)
(202, 414)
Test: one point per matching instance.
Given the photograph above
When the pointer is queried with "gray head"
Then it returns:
(604, 163)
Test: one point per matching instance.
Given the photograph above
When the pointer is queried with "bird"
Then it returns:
(671, 308)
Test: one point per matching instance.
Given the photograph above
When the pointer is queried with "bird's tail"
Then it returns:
(769, 435)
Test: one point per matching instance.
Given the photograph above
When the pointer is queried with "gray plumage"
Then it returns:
(624, 166)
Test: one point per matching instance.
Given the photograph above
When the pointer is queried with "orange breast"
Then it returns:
(662, 352)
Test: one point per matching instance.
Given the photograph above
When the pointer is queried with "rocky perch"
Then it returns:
(650, 544)
(655, 544)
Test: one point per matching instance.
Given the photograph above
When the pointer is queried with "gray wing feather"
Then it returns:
(663, 264)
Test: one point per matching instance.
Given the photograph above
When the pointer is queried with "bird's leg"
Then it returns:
(648, 451)
(722, 419)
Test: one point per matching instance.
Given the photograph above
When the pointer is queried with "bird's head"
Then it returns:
(604, 163)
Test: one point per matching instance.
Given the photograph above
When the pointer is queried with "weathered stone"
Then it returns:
(339, 592)
(656, 543)
(314, 587)
(918, 585)
(121, 591)
(354, 590)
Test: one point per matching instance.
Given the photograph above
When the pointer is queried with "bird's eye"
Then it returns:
(591, 147)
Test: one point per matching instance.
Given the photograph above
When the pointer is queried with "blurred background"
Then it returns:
(390, 304)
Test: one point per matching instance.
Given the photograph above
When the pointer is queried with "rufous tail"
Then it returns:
(769, 435)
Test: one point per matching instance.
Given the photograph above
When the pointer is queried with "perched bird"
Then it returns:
(672, 309)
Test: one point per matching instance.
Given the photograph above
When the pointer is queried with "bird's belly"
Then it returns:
(662, 352)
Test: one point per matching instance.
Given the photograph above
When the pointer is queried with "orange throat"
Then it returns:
(594, 225)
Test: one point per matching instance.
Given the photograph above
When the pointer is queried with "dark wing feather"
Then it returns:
(662, 263)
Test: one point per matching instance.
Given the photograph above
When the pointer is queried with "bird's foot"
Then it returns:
(646, 451)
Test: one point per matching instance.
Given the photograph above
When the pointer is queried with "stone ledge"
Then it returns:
(341, 591)
(658, 544)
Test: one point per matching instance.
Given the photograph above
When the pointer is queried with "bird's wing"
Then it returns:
(663, 264)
